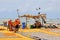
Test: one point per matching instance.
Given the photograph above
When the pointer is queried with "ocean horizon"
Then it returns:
(30, 21)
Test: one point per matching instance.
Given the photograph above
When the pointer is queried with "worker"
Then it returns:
(10, 25)
(38, 24)
(18, 21)
(16, 24)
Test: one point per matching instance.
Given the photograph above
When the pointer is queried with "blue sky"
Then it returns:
(50, 7)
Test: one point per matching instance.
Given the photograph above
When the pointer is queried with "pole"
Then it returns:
(18, 12)
(26, 22)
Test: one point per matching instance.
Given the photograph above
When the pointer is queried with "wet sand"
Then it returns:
(41, 35)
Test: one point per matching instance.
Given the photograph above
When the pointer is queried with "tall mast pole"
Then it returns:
(18, 13)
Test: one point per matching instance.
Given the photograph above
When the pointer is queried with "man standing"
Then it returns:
(16, 25)
(10, 25)
(38, 24)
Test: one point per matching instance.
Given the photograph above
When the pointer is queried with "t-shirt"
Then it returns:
(14, 24)
(9, 23)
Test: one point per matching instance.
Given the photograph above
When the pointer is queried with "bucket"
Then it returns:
(23, 25)
(31, 26)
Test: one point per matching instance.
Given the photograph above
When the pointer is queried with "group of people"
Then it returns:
(14, 25)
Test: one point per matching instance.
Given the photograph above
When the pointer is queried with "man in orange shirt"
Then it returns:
(16, 25)
(10, 25)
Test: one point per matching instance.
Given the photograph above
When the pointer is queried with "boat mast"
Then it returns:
(18, 13)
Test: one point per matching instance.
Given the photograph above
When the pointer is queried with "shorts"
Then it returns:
(17, 27)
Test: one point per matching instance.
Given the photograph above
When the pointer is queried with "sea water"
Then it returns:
(30, 20)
